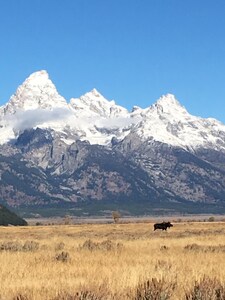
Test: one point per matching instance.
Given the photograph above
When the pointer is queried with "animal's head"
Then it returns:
(168, 224)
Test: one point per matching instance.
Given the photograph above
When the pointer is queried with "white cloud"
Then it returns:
(119, 122)
(31, 118)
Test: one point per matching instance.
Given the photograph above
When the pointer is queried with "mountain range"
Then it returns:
(91, 156)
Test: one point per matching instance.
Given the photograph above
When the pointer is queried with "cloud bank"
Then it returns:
(32, 118)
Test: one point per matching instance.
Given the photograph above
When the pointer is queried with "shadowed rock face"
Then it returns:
(41, 169)
(194, 176)
(44, 170)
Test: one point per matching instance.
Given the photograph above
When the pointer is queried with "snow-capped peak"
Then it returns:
(37, 78)
(95, 93)
(94, 103)
(169, 122)
(135, 108)
(92, 117)
(36, 92)
(168, 99)
(168, 104)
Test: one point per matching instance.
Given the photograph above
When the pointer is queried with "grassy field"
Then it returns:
(113, 261)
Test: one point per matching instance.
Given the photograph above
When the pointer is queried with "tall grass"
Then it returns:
(111, 261)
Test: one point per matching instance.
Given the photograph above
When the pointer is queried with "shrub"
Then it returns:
(82, 295)
(89, 245)
(164, 247)
(107, 245)
(16, 246)
(38, 224)
(30, 246)
(154, 289)
(11, 246)
(88, 295)
(206, 289)
(63, 257)
(116, 216)
(192, 247)
(211, 219)
(96, 293)
(205, 248)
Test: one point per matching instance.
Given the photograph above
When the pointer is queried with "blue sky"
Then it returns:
(132, 51)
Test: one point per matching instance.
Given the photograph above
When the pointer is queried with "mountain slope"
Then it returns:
(70, 172)
(91, 152)
(177, 170)
(168, 122)
(9, 218)
(37, 92)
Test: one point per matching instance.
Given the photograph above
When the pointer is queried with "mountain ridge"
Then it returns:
(92, 155)
(92, 117)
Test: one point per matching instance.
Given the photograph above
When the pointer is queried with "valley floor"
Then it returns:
(112, 261)
(127, 219)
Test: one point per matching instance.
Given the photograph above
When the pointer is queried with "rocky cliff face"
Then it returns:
(92, 151)
(178, 171)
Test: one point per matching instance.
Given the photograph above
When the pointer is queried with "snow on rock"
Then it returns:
(36, 92)
(169, 122)
(94, 103)
(99, 119)
(92, 117)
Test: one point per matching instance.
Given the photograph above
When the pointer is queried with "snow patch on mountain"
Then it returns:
(169, 122)
(37, 92)
(93, 103)
(92, 117)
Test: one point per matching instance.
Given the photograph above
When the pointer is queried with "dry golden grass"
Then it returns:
(114, 264)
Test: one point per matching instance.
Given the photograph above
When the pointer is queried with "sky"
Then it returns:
(131, 51)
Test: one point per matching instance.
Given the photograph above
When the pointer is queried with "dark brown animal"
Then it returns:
(162, 226)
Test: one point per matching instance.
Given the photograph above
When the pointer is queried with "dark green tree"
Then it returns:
(8, 217)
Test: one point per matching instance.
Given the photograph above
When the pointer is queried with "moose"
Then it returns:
(163, 225)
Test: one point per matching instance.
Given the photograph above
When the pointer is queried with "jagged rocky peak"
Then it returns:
(37, 91)
(169, 104)
(168, 99)
(136, 108)
(95, 93)
(38, 80)
(96, 97)
(95, 103)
